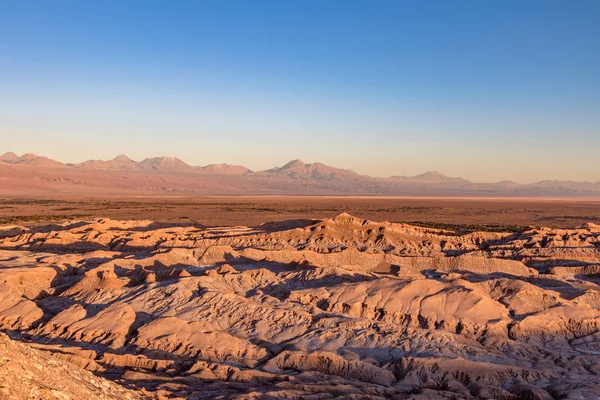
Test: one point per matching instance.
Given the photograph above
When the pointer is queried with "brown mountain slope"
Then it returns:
(9, 156)
(34, 175)
(225, 169)
(434, 177)
(297, 169)
(164, 164)
(32, 160)
(120, 162)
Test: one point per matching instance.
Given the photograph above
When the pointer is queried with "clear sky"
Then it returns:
(483, 89)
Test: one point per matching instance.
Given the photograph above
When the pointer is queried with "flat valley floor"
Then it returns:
(470, 213)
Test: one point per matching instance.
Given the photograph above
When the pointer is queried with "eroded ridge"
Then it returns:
(335, 308)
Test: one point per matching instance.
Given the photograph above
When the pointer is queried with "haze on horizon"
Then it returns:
(487, 91)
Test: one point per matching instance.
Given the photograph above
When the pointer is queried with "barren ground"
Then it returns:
(465, 213)
(294, 298)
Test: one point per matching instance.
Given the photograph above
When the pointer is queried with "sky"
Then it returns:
(486, 90)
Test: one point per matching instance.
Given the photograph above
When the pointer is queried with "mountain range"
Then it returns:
(31, 174)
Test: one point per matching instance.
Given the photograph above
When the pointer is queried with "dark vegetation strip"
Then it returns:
(16, 219)
(468, 228)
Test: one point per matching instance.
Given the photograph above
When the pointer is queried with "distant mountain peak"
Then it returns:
(9, 156)
(225, 169)
(164, 160)
(294, 163)
(164, 164)
(32, 160)
(298, 169)
(120, 162)
(122, 158)
(431, 175)
(506, 182)
(435, 176)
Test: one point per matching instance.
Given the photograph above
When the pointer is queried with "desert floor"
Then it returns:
(464, 213)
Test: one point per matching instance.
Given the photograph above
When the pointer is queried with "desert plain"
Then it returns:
(457, 212)
(299, 297)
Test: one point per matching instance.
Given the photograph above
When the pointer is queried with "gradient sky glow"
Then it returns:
(486, 90)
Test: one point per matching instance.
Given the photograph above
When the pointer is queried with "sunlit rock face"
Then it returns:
(340, 308)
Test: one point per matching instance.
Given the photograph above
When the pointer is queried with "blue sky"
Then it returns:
(487, 90)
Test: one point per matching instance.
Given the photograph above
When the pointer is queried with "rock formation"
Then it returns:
(340, 308)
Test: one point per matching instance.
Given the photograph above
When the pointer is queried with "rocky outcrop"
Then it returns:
(109, 326)
(198, 340)
(330, 364)
(17, 312)
(27, 373)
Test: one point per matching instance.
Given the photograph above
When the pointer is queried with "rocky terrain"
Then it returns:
(26, 373)
(335, 308)
(33, 175)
